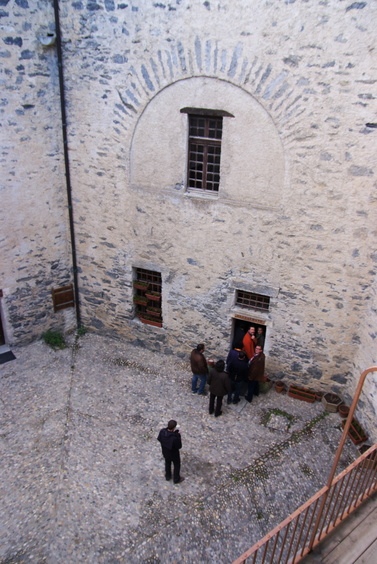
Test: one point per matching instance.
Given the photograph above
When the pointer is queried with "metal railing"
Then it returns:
(299, 533)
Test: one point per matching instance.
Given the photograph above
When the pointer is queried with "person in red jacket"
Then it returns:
(249, 342)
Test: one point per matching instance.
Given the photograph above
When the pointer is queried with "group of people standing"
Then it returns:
(245, 364)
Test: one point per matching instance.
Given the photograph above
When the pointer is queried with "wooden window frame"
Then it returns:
(250, 300)
(203, 172)
(63, 297)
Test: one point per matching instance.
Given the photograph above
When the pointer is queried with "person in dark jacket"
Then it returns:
(238, 372)
(256, 373)
(219, 386)
(171, 443)
(260, 337)
(233, 353)
(199, 369)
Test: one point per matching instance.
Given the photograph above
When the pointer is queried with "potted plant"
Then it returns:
(139, 285)
(265, 385)
(343, 410)
(144, 318)
(356, 433)
(154, 296)
(279, 386)
(140, 300)
(303, 394)
(154, 311)
(331, 402)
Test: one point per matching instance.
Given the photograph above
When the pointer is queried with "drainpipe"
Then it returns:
(66, 160)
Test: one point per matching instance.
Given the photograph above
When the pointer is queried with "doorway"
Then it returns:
(241, 326)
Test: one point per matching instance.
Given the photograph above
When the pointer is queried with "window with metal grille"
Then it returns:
(248, 300)
(147, 296)
(205, 134)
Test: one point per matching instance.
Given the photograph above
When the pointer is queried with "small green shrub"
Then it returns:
(54, 339)
(81, 331)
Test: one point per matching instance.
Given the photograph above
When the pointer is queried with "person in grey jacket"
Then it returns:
(219, 386)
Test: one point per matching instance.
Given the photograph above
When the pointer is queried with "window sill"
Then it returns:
(201, 194)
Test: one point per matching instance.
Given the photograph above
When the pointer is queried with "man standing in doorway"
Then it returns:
(199, 369)
(260, 337)
(256, 373)
(249, 342)
(171, 443)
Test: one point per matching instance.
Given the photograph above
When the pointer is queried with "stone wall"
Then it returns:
(35, 240)
(295, 215)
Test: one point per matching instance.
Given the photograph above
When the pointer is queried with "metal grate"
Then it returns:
(248, 300)
(147, 296)
(150, 276)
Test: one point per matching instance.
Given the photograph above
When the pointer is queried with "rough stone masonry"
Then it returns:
(294, 218)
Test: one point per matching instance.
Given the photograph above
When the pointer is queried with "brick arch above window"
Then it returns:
(252, 166)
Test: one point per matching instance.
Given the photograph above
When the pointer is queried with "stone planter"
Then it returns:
(356, 433)
(371, 458)
(364, 448)
(331, 402)
(303, 394)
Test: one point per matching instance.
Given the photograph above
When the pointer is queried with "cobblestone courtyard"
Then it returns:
(82, 476)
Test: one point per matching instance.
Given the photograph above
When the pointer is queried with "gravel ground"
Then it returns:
(82, 476)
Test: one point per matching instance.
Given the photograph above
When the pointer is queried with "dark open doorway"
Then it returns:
(240, 327)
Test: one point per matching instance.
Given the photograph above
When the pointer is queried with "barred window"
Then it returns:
(147, 296)
(248, 300)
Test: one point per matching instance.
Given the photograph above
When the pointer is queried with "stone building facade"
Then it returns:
(285, 238)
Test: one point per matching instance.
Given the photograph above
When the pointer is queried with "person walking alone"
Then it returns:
(171, 443)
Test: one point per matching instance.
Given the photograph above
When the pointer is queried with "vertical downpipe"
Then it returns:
(66, 159)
